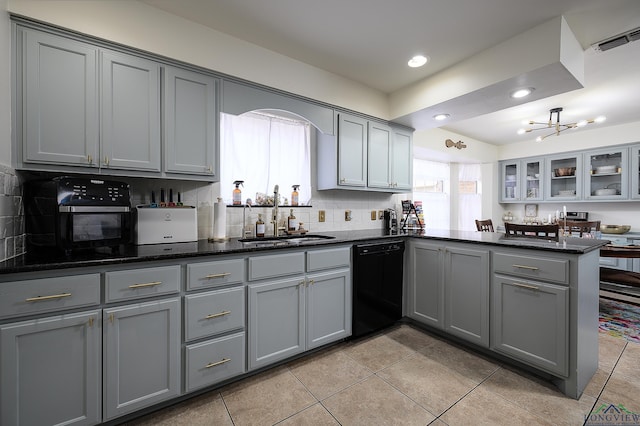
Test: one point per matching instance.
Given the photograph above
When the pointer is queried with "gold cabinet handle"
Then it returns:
(106, 160)
(151, 284)
(302, 283)
(531, 268)
(53, 296)
(219, 314)
(311, 282)
(222, 275)
(215, 364)
(210, 169)
(343, 180)
(527, 286)
(89, 159)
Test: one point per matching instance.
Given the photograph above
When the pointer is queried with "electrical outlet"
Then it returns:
(321, 217)
(347, 215)
(373, 215)
(380, 214)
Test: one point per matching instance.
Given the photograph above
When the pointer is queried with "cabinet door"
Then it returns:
(563, 179)
(190, 116)
(276, 321)
(635, 172)
(606, 174)
(467, 294)
(141, 355)
(509, 181)
(352, 150)
(426, 297)
(328, 307)
(130, 113)
(532, 179)
(530, 322)
(60, 122)
(379, 156)
(402, 160)
(51, 371)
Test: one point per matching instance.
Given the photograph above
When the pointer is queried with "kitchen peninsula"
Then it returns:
(529, 301)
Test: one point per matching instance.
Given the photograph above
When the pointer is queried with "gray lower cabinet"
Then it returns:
(328, 301)
(449, 289)
(59, 96)
(190, 122)
(531, 322)
(51, 370)
(141, 355)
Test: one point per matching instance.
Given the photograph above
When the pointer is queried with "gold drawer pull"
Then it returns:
(527, 286)
(222, 275)
(532, 268)
(151, 284)
(215, 364)
(219, 314)
(53, 296)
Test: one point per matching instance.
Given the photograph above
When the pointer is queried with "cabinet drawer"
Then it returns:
(540, 268)
(212, 274)
(277, 265)
(138, 283)
(214, 360)
(318, 260)
(213, 312)
(30, 297)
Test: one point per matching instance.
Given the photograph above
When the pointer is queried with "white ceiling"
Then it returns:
(370, 41)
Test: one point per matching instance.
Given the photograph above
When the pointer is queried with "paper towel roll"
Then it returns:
(220, 220)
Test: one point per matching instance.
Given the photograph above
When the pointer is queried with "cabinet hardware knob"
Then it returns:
(91, 322)
(343, 180)
(52, 296)
(527, 286)
(303, 282)
(106, 160)
(221, 275)
(111, 318)
(531, 268)
(89, 159)
(215, 364)
(210, 169)
(312, 282)
(219, 314)
(151, 284)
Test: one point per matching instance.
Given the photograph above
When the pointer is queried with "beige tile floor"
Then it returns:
(405, 376)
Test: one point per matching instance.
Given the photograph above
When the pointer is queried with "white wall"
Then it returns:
(139, 25)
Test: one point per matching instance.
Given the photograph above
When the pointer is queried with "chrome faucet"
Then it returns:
(275, 210)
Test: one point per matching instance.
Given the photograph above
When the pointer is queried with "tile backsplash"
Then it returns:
(12, 235)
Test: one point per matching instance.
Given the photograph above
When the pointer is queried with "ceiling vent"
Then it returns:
(618, 40)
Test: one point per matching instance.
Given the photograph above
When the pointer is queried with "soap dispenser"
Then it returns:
(292, 222)
(294, 195)
(259, 226)
(237, 193)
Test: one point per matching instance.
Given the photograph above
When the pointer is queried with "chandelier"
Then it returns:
(557, 127)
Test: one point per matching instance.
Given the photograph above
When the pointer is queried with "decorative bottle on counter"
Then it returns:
(259, 226)
(294, 195)
(292, 222)
(237, 193)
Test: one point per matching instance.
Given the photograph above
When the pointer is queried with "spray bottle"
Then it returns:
(237, 193)
(294, 195)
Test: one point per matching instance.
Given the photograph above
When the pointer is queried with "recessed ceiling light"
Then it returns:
(521, 93)
(441, 117)
(600, 119)
(417, 61)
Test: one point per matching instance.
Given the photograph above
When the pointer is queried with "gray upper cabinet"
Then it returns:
(141, 358)
(606, 174)
(635, 172)
(130, 95)
(190, 122)
(402, 159)
(352, 151)
(379, 156)
(51, 370)
(60, 100)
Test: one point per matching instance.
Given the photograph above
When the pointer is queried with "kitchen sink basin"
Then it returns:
(284, 240)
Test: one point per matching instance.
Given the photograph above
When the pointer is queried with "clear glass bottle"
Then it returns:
(259, 226)
(292, 222)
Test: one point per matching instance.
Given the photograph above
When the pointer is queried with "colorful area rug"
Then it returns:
(620, 319)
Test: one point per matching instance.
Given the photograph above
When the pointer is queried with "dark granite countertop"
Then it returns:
(131, 253)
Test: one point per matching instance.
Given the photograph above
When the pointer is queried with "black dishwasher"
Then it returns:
(377, 285)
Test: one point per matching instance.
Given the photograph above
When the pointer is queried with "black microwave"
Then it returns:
(74, 213)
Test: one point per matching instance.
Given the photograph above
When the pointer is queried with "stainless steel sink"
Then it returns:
(284, 240)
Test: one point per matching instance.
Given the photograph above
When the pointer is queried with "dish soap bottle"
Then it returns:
(259, 226)
(294, 195)
(292, 222)
(237, 193)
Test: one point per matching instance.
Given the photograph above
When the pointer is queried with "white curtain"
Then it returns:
(435, 205)
(264, 151)
(469, 205)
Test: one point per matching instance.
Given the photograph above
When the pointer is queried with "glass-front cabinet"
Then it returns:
(522, 180)
(564, 172)
(635, 172)
(606, 174)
